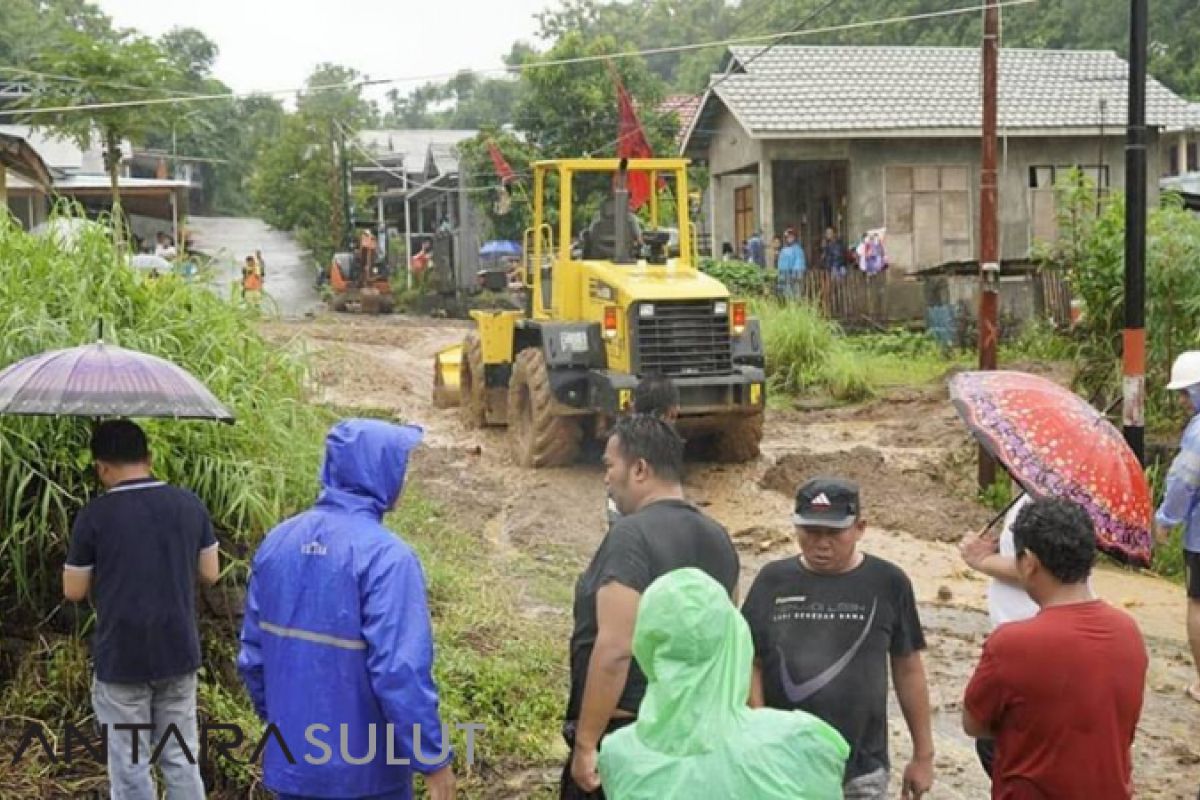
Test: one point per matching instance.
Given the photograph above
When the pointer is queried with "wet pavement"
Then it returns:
(290, 273)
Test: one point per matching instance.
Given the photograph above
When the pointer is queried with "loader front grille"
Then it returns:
(683, 338)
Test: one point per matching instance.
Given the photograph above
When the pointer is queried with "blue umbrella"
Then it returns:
(499, 248)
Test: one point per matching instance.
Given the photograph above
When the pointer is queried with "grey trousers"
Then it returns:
(171, 701)
(873, 786)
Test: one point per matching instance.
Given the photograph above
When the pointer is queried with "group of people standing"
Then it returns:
(675, 691)
(788, 257)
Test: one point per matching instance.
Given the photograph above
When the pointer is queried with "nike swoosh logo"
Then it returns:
(798, 693)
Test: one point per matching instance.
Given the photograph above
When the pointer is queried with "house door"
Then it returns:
(744, 220)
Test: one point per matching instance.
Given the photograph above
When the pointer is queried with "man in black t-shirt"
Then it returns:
(826, 627)
(139, 549)
(658, 532)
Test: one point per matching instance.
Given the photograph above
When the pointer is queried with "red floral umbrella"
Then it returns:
(1055, 444)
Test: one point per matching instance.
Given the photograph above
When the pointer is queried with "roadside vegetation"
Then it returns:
(251, 475)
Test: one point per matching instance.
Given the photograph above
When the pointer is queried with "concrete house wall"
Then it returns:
(736, 160)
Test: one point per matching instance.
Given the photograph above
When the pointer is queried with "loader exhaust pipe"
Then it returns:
(621, 248)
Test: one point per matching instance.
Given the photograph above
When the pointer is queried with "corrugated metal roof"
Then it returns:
(409, 147)
(60, 152)
(877, 90)
(443, 158)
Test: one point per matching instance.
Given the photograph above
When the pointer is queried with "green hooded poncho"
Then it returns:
(695, 736)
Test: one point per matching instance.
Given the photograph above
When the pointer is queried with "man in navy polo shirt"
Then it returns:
(139, 548)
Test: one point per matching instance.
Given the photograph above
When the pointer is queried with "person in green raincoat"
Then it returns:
(695, 735)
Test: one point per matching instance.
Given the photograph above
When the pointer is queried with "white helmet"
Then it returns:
(1186, 370)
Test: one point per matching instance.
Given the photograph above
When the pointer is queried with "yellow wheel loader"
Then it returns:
(608, 302)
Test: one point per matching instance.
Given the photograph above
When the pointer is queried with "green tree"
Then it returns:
(506, 220)
(102, 72)
(225, 134)
(1061, 25)
(29, 26)
(297, 183)
(568, 110)
(466, 101)
(650, 24)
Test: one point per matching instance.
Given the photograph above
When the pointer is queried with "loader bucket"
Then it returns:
(446, 366)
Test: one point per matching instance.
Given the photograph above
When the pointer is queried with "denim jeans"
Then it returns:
(171, 701)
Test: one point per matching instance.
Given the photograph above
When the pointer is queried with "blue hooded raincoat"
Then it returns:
(337, 632)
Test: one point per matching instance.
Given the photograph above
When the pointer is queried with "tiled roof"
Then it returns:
(882, 90)
(685, 106)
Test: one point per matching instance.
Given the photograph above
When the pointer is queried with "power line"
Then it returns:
(762, 38)
(72, 79)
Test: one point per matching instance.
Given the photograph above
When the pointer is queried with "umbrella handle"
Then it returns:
(1003, 513)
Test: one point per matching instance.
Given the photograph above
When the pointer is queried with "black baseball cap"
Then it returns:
(827, 503)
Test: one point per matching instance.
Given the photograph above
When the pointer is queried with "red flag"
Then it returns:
(632, 144)
(502, 168)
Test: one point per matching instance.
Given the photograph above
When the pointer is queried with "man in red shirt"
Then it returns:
(1061, 693)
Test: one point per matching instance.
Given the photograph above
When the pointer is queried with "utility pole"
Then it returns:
(1134, 351)
(989, 238)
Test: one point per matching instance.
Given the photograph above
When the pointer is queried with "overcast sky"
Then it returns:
(274, 44)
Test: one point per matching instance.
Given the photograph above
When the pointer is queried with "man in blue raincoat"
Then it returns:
(337, 651)
(1181, 501)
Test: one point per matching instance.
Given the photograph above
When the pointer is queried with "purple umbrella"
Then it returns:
(99, 380)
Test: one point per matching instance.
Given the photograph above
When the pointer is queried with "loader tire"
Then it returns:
(739, 439)
(540, 437)
(471, 383)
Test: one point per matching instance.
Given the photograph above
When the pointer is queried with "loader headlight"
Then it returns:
(720, 308)
(646, 310)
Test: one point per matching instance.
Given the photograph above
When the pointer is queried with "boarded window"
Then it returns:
(928, 215)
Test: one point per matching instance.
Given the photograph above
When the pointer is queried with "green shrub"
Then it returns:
(805, 351)
(741, 278)
(1090, 251)
(1040, 341)
(846, 377)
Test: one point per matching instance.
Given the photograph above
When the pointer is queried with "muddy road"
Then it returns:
(908, 451)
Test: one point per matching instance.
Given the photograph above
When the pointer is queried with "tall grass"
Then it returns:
(494, 665)
(249, 475)
(806, 353)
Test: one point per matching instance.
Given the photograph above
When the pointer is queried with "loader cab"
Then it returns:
(567, 236)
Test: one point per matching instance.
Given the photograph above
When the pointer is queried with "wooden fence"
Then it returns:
(857, 300)
(1054, 298)
(854, 299)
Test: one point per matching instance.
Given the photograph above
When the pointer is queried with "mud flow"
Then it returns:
(908, 451)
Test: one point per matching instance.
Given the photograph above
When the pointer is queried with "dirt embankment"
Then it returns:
(893, 498)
